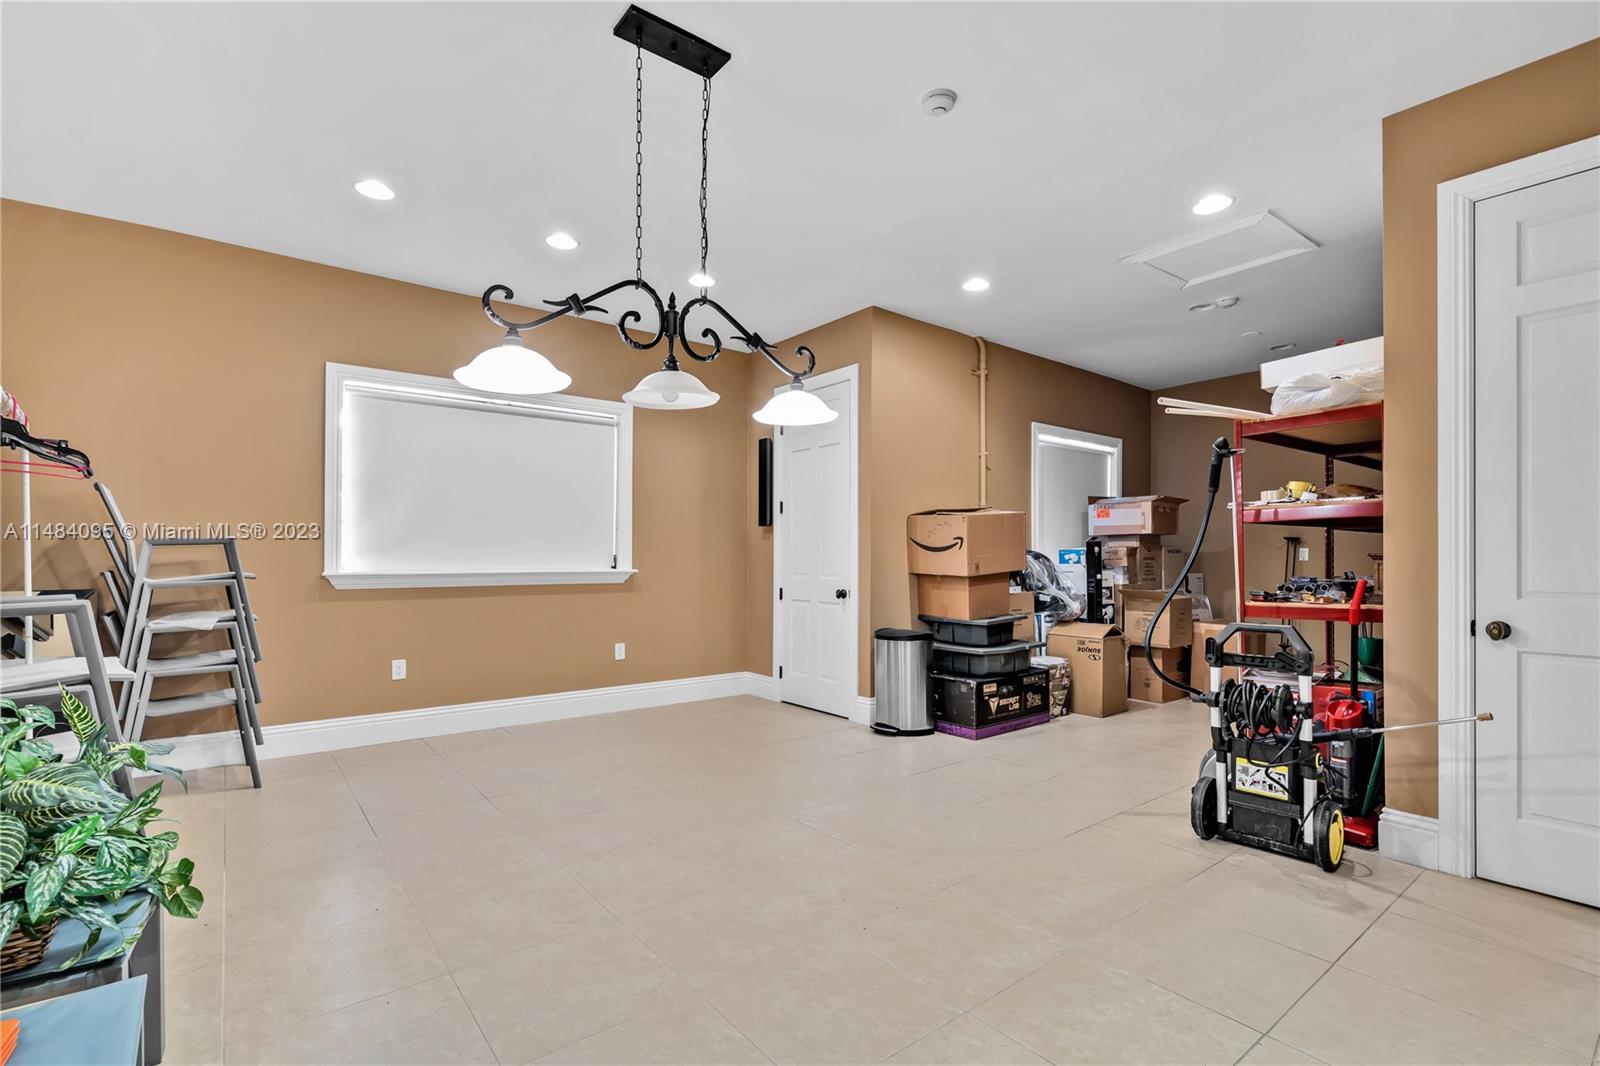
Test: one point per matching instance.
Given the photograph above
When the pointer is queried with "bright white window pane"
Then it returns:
(1069, 466)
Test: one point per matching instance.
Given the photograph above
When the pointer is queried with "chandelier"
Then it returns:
(512, 367)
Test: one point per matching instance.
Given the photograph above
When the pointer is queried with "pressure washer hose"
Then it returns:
(1220, 450)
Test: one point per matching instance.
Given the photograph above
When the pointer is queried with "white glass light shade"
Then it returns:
(510, 368)
(795, 406)
(670, 390)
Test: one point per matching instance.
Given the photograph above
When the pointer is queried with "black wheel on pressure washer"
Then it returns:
(1203, 808)
(1328, 835)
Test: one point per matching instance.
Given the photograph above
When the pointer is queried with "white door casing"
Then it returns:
(1537, 456)
(815, 555)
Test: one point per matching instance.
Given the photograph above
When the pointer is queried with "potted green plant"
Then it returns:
(72, 845)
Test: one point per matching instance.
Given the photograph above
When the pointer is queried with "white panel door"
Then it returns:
(817, 588)
(1537, 382)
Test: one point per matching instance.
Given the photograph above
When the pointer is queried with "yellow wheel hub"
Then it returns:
(1336, 837)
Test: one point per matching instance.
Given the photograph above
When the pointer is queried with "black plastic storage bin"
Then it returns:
(966, 660)
(976, 632)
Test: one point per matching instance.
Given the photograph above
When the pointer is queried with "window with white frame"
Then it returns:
(430, 483)
(1069, 466)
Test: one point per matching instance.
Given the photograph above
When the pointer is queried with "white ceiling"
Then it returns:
(1083, 134)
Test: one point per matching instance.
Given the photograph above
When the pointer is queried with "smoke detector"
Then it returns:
(938, 102)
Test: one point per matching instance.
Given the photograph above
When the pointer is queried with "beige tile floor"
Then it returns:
(740, 881)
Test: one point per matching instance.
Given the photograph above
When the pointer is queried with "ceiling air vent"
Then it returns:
(1252, 241)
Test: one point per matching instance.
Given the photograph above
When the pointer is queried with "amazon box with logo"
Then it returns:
(944, 596)
(966, 543)
(1137, 607)
(1143, 682)
(1099, 666)
(1132, 516)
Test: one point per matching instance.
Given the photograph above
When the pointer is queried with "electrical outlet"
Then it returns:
(397, 669)
(1305, 555)
(620, 651)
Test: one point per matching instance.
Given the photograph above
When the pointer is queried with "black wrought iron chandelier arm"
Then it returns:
(747, 337)
(579, 305)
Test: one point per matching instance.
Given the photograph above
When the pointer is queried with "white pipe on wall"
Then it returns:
(983, 422)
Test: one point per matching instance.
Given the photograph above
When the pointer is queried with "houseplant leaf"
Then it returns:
(72, 839)
(13, 843)
(73, 787)
(44, 885)
(141, 810)
(10, 914)
(79, 717)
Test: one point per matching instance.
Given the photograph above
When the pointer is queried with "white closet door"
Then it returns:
(818, 606)
(1537, 381)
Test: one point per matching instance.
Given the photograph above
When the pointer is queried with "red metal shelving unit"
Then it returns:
(1344, 434)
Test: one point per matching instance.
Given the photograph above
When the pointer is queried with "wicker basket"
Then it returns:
(22, 950)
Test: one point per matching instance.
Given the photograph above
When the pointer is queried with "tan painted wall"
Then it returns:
(921, 402)
(1180, 455)
(192, 373)
(1543, 105)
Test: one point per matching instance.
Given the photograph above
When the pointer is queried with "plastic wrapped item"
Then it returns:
(1060, 671)
(1318, 391)
(1056, 596)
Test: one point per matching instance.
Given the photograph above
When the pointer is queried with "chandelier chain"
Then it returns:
(705, 165)
(638, 163)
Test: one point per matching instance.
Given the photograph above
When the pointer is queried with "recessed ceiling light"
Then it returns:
(702, 280)
(975, 284)
(1284, 347)
(1203, 307)
(1251, 333)
(561, 242)
(373, 189)
(1211, 203)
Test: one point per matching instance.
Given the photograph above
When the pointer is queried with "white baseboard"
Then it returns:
(1407, 837)
(333, 734)
(865, 705)
(762, 685)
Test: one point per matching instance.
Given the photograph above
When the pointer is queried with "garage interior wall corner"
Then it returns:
(1531, 109)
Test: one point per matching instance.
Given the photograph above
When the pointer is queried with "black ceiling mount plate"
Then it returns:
(656, 35)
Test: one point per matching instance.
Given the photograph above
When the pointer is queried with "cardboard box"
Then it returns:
(1136, 607)
(977, 704)
(1144, 684)
(1099, 666)
(966, 543)
(1172, 560)
(963, 597)
(1120, 516)
(1200, 670)
(1022, 603)
(1136, 560)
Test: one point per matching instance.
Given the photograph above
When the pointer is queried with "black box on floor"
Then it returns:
(981, 702)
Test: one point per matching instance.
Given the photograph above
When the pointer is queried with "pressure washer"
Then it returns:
(1277, 775)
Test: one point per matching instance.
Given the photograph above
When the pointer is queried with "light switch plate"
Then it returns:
(397, 669)
(620, 651)
(1305, 555)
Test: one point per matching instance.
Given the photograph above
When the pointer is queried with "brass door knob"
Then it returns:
(1497, 630)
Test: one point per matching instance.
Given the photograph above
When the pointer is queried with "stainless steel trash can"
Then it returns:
(900, 682)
